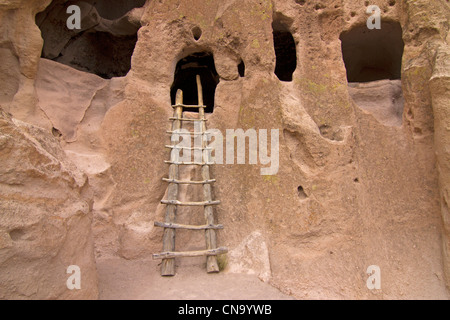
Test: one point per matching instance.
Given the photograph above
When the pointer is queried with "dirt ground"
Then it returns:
(121, 279)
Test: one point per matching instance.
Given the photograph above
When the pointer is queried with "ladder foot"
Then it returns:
(168, 267)
(169, 255)
(211, 265)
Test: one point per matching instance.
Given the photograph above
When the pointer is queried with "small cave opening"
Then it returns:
(241, 69)
(285, 51)
(103, 45)
(301, 193)
(197, 33)
(373, 54)
(186, 71)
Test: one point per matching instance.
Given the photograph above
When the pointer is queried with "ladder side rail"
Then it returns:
(210, 234)
(168, 265)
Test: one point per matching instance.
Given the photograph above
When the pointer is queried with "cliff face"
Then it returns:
(363, 119)
(46, 217)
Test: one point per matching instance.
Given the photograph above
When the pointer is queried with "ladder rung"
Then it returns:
(187, 119)
(188, 227)
(189, 182)
(189, 148)
(188, 106)
(170, 255)
(190, 204)
(189, 133)
(190, 163)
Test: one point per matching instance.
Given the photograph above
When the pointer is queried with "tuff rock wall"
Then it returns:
(364, 172)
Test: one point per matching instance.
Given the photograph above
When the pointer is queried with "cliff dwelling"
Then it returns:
(187, 69)
(373, 61)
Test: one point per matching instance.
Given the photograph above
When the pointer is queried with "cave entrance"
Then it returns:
(371, 55)
(105, 43)
(285, 51)
(186, 71)
(373, 60)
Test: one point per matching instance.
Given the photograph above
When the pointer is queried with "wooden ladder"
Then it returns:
(169, 254)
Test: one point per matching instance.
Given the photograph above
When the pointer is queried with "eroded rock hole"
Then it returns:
(241, 69)
(56, 133)
(331, 133)
(105, 43)
(301, 193)
(371, 55)
(16, 234)
(197, 33)
(186, 72)
(285, 51)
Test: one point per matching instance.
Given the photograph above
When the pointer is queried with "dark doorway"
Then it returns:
(186, 72)
(371, 55)
(285, 51)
